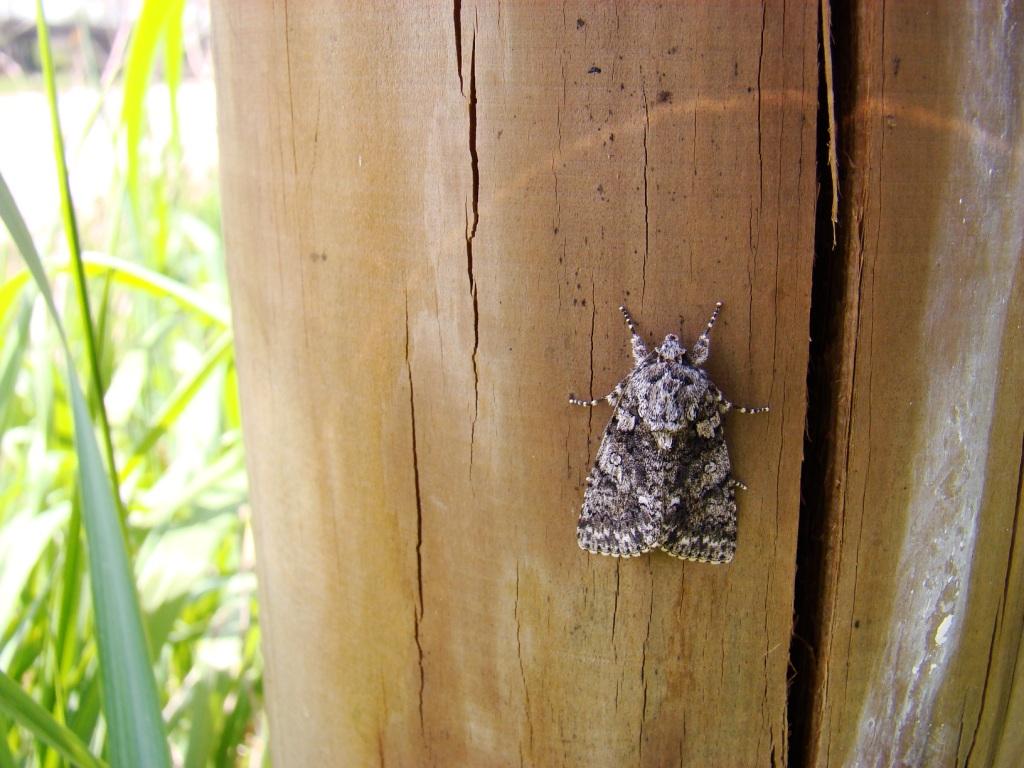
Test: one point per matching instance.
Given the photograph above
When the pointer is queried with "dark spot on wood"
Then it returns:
(595, 70)
(314, 256)
(580, 23)
(673, 50)
(664, 96)
(896, 61)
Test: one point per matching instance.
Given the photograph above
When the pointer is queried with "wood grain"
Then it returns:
(431, 214)
(918, 629)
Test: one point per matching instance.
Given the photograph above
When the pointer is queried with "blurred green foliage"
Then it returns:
(150, 339)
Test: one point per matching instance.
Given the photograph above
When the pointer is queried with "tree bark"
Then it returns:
(431, 215)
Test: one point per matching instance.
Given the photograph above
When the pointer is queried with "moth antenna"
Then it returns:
(639, 348)
(702, 347)
(714, 318)
(630, 322)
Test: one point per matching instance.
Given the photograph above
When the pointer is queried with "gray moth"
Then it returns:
(662, 477)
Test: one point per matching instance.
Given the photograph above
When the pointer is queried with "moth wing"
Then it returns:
(703, 527)
(623, 511)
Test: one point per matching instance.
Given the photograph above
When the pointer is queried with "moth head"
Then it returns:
(671, 349)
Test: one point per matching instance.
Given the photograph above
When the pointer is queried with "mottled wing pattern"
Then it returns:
(705, 529)
(702, 526)
(623, 507)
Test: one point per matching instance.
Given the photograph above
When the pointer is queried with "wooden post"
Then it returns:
(431, 215)
(916, 622)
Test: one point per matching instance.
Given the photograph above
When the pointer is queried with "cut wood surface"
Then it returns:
(917, 628)
(431, 215)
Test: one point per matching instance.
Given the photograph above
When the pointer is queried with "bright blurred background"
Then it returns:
(137, 112)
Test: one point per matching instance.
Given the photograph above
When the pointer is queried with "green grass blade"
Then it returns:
(75, 247)
(129, 690)
(138, 66)
(84, 719)
(133, 275)
(12, 363)
(70, 592)
(23, 539)
(20, 707)
(6, 758)
(15, 224)
(46, 61)
(200, 737)
(179, 399)
(160, 286)
(105, 347)
(174, 54)
(233, 731)
(230, 461)
(136, 733)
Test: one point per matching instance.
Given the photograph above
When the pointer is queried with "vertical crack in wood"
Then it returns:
(615, 607)
(832, 358)
(593, 321)
(472, 219)
(760, 96)
(291, 91)
(522, 667)
(647, 210)
(830, 97)
(998, 624)
(643, 674)
(418, 609)
(751, 264)
(457, 17)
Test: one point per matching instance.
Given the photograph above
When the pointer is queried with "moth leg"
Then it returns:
(702, 347)
(639, 348)
(724, 405)
(744, 409)
(612, 398)
(591, 403)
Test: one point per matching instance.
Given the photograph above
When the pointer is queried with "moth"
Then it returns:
(662, 477)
